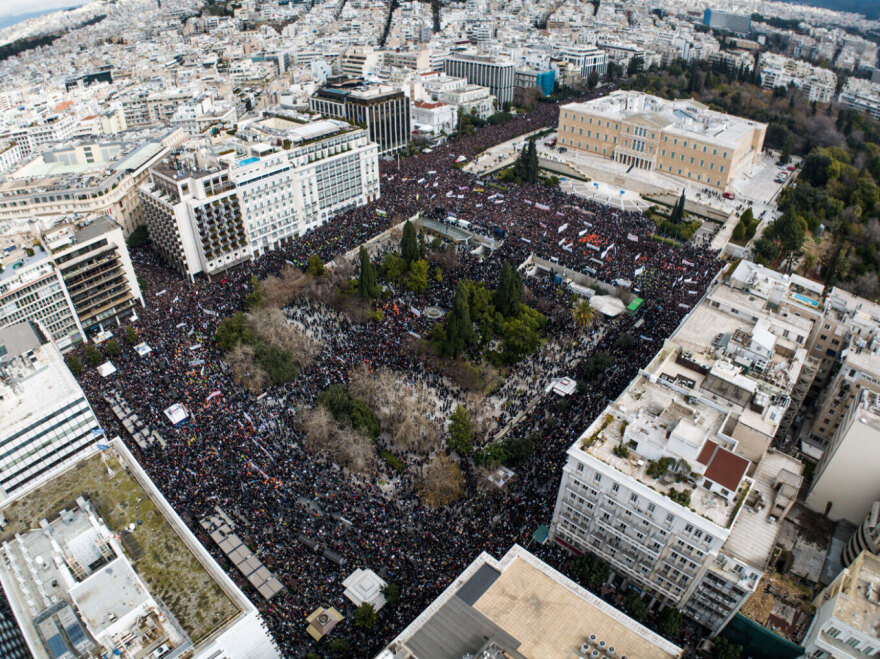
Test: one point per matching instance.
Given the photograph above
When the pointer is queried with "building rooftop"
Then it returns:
(859, 588)
(108, 557)
(521, 608)
(684, 116)
(33, 377)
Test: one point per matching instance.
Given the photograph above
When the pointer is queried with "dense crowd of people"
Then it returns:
(244, 453)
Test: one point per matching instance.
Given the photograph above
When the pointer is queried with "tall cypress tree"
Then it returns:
(532, 163)
(367, 286)
(460, 333)
(409, 245)
(509, 293)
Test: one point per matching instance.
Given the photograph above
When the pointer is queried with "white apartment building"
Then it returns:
(89, 178)
(418, 60)
(32, 289)
(52, 129)
(585, 59)
(359, 62)
(847, 614)
(673, 484)
(779, 71)
(10, 154)
(199, 115)
(470, 99)
(493, 72)
(845, 485)
(153, 109)
(47, 421)
(238, 205)
(861, 95)
(435, 117)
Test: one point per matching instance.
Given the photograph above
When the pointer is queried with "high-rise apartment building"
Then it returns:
(496, 73)
(383, 110)
(845, 483)
(236, 205)
(31, 288)
(96, 268)
(47, 421)
(680, 138)
(674, 484)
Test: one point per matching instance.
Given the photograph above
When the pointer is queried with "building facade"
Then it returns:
(495, 73)
(383, 111)
(47, 422)
(682, 138)
(847, 614)
(866, 537)
(585, 59)
(674, 484)
(205, 219)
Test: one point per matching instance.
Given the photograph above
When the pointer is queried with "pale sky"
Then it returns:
(15, 7)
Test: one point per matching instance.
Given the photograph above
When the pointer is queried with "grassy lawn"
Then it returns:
(168, 567)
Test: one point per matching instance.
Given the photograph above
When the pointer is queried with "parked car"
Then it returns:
(729, 195)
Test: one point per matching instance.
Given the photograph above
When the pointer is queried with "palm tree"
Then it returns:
(583, 313)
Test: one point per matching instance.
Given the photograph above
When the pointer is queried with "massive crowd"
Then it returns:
(244, 453)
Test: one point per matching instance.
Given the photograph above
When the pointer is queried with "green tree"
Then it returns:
(461, 432)
(438, 274)
(635, 66)
(409, 244)
(131, 336)
(583, 313)
(367, 286)
(521, 334)
(393, 267)
(275, 361)
(532, 166)
(338, 645)
(139, 237)
(417, 281)
(788, 231)
(93, 355)
(365, 616)
(669, 621)
(255, 297)
(635, 606)
(508, 296)
(459, 333)
(747, 217)
(590, 571)
(234, 330)
(74, 364)
(724, 649)
(592, 80)
(315, 266)
(392, 593)
(112, 347)
(739, 231)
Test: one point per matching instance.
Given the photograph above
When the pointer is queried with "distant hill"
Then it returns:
(6, 21)
(870, 8)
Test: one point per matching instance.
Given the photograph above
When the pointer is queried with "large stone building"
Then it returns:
(674, 484)
(206, 213)
(680, 138)
(495, 73)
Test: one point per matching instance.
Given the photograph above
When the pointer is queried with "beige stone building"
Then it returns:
(680, 138)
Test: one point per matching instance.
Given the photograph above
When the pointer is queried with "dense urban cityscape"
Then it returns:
(439, 330)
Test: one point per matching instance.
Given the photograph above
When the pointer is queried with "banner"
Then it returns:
(213, 395)
(633, 237)
(562, 228)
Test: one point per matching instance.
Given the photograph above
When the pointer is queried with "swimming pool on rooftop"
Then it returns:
(805, 299)
(248, 161)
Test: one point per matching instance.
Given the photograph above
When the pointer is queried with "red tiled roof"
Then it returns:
(707, 452)
(89, 118)
(427, 105)
(63, 106)
(726, 468)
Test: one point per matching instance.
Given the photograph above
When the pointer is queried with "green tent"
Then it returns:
(634, 306)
